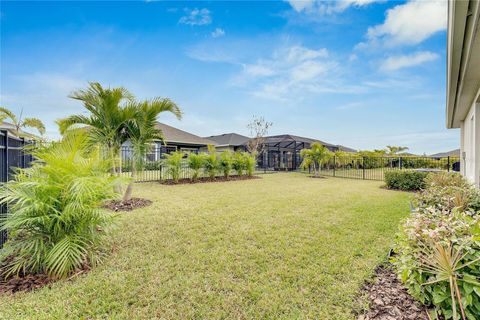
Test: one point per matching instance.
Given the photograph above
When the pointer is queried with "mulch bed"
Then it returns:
(24, 283)
(134, 203)
(208, 179)
(389, 299)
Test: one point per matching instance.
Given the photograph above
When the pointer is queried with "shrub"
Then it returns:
(226, 162)
(406, 180)
(238, 163)
(210, 162)
(438, 249)
(250, 163)
(446, 179)
(55, 223)
(173, 162)
(195, 162)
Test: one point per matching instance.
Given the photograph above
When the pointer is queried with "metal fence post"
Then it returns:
(334, 164)
(5, 166)
(448, 163)
(400, 163)
(363, 167)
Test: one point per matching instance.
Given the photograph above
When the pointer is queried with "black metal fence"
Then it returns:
(12, 155)
(373, 168)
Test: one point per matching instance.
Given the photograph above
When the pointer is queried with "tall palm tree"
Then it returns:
(20, 123)
(315, 156)
(142, 131)
(108, 114)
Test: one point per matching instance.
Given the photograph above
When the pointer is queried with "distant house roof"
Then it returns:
(286, 139)
(12, 131)
(175, 135)
(229, 139)
(452, 153)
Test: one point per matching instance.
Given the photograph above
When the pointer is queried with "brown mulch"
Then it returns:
(208, 179)
(24, 283)
(389, 299)
(134, 203)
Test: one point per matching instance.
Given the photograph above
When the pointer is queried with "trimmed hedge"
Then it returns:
(407, 180)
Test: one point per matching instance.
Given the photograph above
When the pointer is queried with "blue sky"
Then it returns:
(361, 73)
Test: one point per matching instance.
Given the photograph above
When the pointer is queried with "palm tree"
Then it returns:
(107, 119)
(142, 131)
(19, 122)
(315, 156)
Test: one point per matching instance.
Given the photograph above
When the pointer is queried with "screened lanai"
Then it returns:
(282, 152)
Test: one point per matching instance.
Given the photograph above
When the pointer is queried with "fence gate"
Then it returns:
(12, 155)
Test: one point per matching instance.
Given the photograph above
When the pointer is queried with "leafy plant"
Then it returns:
(210, 162)
(315, 156)
(56, 225)
(438, 251)
(108, 116)
(238, 163)
(195, 162)
(250, 163)
(407, 180)
(142, 131)
(173, 162)
(21, 123)
(226, 163)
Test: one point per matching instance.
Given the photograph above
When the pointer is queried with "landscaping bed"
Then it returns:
(134, 203)
(388, 299)
(208, 179)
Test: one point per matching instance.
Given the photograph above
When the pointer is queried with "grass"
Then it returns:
(282, 247)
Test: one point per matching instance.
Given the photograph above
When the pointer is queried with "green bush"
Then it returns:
(238, 163)
(250, 163)
(438, 248)
(407, 180)
(210, 162)
(56, 225)
(173, 162)
(195, 162)
(226, 162)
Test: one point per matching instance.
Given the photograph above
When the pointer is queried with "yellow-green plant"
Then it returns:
(173, 162)
(142, 131)
(195, 163)
(238, 163)
(250, 162)
(315, 156)
(20, 123)
(56, 225)
(210, 161)
(226, 162)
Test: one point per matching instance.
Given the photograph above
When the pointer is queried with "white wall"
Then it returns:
(470, 145)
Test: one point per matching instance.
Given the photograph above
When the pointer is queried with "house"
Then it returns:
(174, 139)
(229, 141)
(463, 82)
(282, 152)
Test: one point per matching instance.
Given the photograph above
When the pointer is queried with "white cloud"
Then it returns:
(410, 23)
(327, 7)
(258, 70)
(196, 17)
(218, 32)
(308, 70)
(405, 61)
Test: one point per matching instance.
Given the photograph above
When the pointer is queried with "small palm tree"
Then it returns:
(142, 131)
(20, 123)
(315, 156)
(226, 162)
(106, 122)
(195, 162)
(173, 162)
(210, 161)
(55, 223)
(238, 163)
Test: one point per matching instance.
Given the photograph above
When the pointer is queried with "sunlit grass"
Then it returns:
(285, 246)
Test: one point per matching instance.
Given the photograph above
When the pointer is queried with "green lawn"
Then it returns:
(282, 247)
